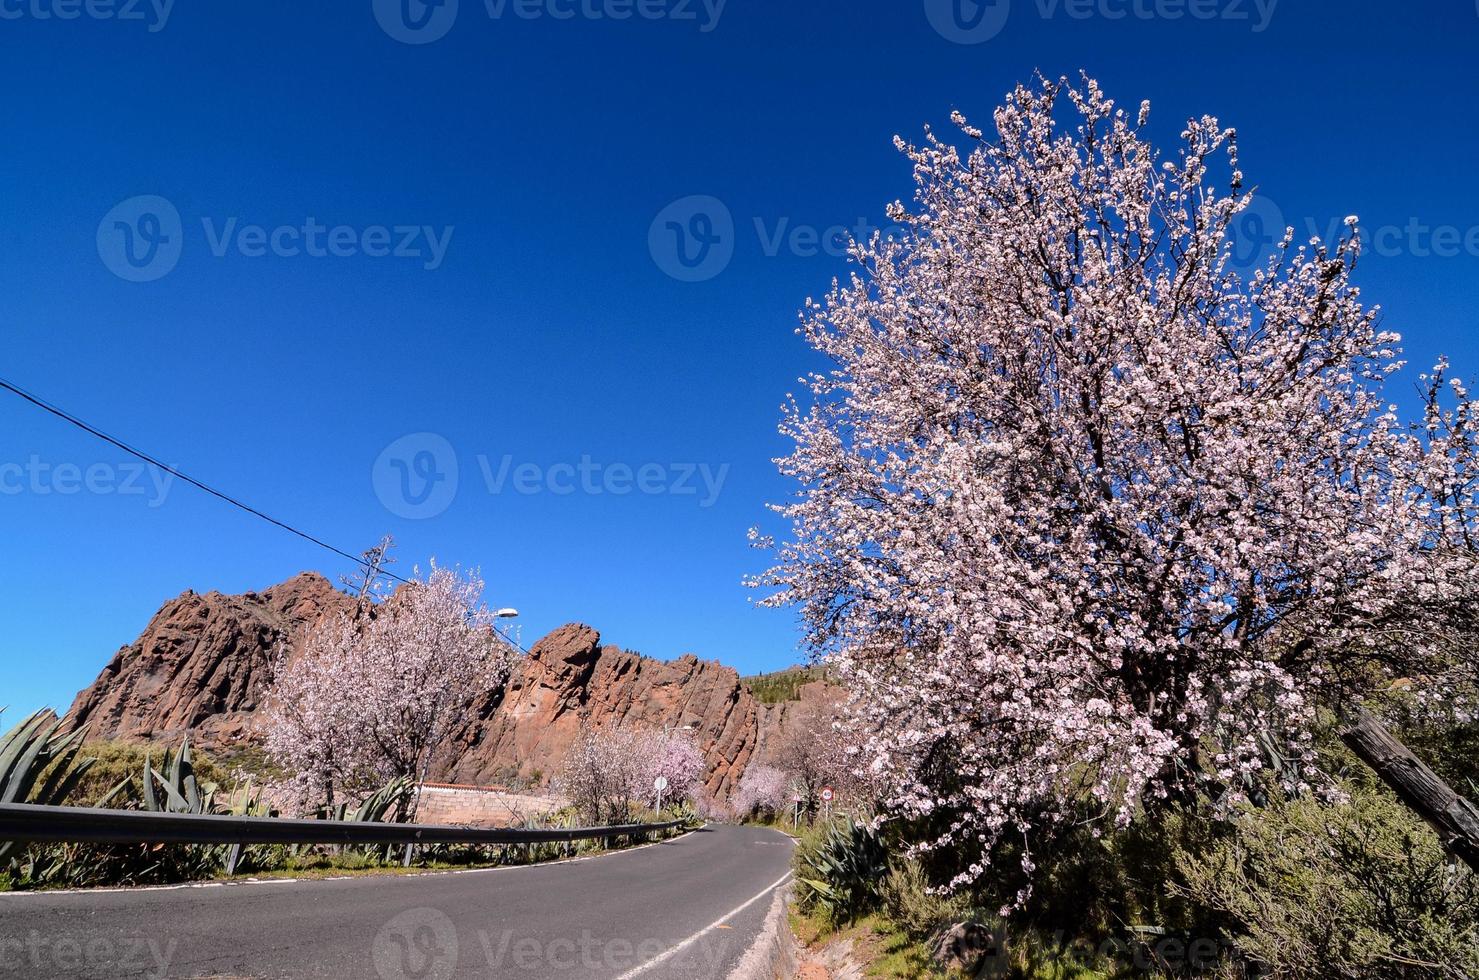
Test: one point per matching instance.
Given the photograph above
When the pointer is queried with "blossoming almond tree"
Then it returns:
(676, 757)
(813, 751)
(312, 728)
(371, 697)
(763, 790)
(1086, 512)
(606, 770)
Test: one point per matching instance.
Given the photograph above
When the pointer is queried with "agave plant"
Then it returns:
(182, 791)
(567, 819)
(34, 748)
(373, 808)
(394, 795)
(246, 801)
(838, 869)
(39, 766)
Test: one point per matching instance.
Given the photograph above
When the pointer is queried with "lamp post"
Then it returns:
(505, 613)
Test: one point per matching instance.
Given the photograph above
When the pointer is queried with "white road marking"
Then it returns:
(674, 951)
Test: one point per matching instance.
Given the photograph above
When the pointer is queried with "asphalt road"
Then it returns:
(685, 909)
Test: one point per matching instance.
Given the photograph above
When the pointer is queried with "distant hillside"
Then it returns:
(782, 685)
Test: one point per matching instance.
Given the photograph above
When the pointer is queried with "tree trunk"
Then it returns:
(1454, 818)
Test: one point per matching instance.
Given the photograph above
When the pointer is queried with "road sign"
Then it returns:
(798, 798)
(660, 783)
(826, 794)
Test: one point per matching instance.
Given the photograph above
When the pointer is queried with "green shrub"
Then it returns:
(1357, 889)
(910, 904)
(119, 761)
(1437, 734)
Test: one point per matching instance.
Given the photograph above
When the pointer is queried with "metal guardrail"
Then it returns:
(26, 822)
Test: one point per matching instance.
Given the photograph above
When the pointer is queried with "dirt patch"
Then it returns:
(843, 957)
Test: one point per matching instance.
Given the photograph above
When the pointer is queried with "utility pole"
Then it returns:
(363, 582)
(1454, 818)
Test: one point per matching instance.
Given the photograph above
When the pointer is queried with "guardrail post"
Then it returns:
(406, 861)
(231, 858)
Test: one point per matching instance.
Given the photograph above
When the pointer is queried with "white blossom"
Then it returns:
(1087, 511)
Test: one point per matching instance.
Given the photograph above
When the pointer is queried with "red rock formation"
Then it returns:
(569, 680)
(202, 666)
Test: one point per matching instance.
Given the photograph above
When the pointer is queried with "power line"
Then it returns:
(372, 567)
(154, 461)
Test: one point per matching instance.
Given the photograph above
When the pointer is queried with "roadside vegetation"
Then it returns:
(1355, 885)
(38, 766)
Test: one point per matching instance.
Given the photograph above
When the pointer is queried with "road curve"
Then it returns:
(679, 910)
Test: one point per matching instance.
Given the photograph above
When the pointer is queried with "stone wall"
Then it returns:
(480, 806)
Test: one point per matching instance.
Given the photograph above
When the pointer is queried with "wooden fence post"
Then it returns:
(1454, 818)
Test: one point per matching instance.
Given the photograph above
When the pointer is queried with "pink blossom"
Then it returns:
(762, 790)
(372, 696)
(607, 770)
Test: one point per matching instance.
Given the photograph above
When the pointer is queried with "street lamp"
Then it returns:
(505, 613)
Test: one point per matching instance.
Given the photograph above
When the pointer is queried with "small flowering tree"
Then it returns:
(815, 751)
(676, 757)
(598, 775)
(606, 770)
(370, 697)
(763, 791)
(313, 729)
(1089, 516)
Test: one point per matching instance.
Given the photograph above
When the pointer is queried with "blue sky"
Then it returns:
(471, 241)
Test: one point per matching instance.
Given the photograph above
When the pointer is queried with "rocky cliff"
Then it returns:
(569, 680)
(203, 666)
